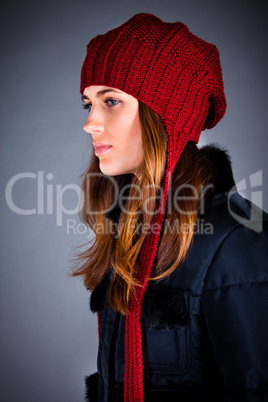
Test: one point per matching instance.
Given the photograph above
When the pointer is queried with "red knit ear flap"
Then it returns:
(133, 384)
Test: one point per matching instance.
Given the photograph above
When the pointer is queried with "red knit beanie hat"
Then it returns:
(178, 75)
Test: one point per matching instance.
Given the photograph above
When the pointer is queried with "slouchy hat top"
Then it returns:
(179, 76)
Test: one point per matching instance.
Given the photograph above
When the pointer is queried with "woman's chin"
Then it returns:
(112, 170)
(109, 170)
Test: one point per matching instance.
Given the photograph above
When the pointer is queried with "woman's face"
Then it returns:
(114, 124)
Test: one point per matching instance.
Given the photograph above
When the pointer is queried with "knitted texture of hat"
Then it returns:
(179, 76)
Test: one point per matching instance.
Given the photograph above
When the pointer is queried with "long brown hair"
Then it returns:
(119, 247)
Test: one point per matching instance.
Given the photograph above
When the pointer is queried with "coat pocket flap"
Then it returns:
(164, 308)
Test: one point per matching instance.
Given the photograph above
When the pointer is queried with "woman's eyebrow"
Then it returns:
(102, 92)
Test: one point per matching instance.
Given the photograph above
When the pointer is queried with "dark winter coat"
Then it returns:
(205, 328)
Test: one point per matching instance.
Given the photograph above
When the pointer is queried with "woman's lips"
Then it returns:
(101, 149)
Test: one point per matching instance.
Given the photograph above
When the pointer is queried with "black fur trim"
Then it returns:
(164, 308)
(220, 167)
(97, 298)
(92, 388)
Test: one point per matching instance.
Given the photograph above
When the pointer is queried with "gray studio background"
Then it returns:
(48, 336)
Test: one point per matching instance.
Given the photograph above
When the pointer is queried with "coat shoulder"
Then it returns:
(229, 246)
(242, 255)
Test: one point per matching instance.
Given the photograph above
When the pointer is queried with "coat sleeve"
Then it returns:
(235, 308)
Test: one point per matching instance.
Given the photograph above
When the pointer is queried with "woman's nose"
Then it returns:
(94, 124)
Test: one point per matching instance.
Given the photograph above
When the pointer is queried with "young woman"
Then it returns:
(178, 263)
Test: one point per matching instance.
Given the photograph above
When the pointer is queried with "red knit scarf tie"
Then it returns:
(133, 382)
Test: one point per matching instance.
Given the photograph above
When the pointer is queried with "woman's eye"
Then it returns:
(111, 102)
(87, 106)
